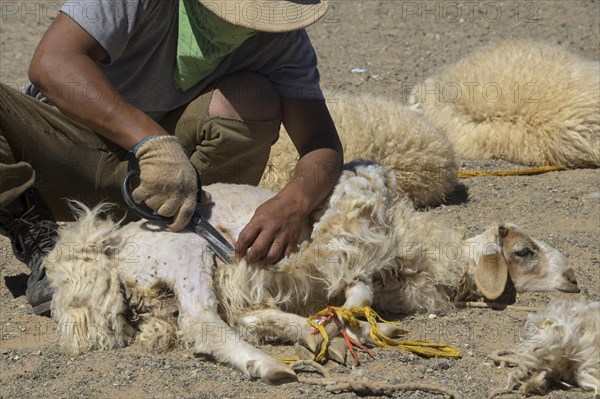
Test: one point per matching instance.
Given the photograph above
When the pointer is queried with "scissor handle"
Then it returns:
(141, 211)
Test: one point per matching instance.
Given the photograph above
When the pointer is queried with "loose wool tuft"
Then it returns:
(564, 348)
(394, 136)
(522, 101)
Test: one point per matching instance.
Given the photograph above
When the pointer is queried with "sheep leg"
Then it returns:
(338, 348)
(361, 333)
(288, 327)
(274, 323)
(212, 336)
(208, 334)
(358, 294)
(361, 294)
(264, 324)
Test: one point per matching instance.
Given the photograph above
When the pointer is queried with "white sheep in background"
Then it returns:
(562, 349)
(523, 101)
(365, 247)
(396, 137)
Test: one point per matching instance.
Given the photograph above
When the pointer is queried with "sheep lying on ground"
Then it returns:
(111, 283)
(397, 137)
(563, 348)
(437, 266)
(522, 101)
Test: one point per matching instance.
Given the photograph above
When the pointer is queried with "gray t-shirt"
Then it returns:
(140, 37)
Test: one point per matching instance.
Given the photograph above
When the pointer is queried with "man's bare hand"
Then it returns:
(273, 231)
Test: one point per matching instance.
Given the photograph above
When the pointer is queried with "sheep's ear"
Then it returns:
(491, 275)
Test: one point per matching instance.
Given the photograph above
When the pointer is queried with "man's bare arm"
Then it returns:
(275, 227)
(64, 66)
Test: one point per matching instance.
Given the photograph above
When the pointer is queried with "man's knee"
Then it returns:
(245, 96)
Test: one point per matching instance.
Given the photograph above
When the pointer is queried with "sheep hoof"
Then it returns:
(279, 376)
(338, 350)
(391, 330)
(271, 371)
(314, 342)
(303, 352)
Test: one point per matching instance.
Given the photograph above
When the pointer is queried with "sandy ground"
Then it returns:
(398, 43)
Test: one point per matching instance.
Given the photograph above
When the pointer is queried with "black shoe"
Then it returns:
(30, 225)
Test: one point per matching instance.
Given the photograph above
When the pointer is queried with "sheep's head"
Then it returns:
(506, 250)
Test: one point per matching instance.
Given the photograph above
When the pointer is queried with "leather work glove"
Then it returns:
(168, 181)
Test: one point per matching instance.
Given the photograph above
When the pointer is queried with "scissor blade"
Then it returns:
(217, 242)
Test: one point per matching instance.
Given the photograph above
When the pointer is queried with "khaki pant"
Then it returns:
(66, 160)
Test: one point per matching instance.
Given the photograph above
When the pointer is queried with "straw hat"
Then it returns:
(268, 15)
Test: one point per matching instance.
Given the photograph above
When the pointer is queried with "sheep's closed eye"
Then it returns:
(523, 252)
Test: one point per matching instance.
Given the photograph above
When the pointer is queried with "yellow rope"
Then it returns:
(421, 347)
(290, 360)
(462, 174)
(311, 320)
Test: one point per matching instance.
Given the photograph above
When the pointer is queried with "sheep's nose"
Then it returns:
(570, 283)
(569, 275)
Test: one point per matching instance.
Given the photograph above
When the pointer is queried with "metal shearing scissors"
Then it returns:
(217, 243)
